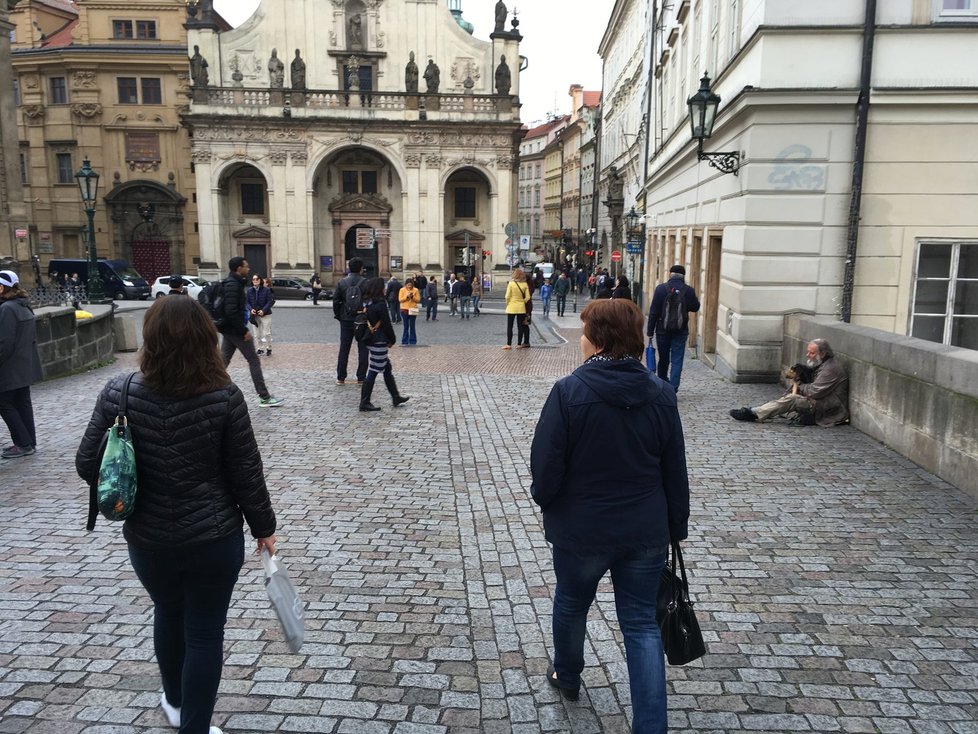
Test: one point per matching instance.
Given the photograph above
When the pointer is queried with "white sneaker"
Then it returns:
(172, 714)
(215, 730)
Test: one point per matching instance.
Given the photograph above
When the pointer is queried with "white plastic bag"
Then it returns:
(288, 606)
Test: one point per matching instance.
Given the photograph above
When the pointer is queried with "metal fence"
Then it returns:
(57, 295)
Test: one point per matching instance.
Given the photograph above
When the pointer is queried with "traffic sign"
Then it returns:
(382, 233)
(635, 248)
(20, 233)
(510, 229)
(616, 256)
(524, 242)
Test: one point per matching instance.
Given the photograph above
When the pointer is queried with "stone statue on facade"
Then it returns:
(411, 75)
(276, 71)
(432, 76)
(501, 13)
(298, 71)
(616, 186)
(353, 73)
(356, 31)
(198, 69)
(504, 79)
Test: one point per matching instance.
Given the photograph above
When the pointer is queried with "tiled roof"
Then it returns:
(592, 99)
(61, 38)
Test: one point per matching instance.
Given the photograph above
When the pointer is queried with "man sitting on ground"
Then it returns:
(824, 401)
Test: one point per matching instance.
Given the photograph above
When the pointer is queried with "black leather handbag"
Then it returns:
(681, 636)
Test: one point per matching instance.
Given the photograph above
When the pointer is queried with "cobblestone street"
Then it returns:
(836, 582)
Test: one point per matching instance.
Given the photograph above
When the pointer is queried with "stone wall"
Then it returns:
(68, 345)
(917, 397)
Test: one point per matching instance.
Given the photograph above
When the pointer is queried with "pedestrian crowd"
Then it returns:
(201, 477)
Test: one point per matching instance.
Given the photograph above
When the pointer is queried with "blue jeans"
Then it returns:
(635, 577)
(466, 307)
(672, 351)
(546, 306)
(191, 590)
(409, 336)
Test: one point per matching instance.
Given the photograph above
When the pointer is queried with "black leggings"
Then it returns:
(522, 329)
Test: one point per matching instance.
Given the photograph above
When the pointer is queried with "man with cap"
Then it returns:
(672, 302)
(177, 286)
(20, 365)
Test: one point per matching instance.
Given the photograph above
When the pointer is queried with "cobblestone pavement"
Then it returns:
(836, 582)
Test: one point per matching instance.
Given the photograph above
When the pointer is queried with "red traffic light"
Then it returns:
(589, 253)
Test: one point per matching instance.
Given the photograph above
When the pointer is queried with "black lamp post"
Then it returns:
(702, 114)
(633, 233)
(88, 187)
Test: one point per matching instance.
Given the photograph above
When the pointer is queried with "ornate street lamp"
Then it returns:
(88, 187)
(631, 220)
(702, 114)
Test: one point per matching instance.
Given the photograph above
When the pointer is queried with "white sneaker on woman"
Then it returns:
(172, 714)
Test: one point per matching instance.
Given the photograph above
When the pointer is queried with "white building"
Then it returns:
(776, 237)
(311, 127)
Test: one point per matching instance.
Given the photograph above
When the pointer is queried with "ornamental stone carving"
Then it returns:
(144, 166)
(30, 81)
(422, 137)
(201, 156)
(233, 134)
(83, 79)
(88, 110)
(434, 161)
(34, 112)
(299, 156)
(278, 157)
(412, 160)
(505, 162)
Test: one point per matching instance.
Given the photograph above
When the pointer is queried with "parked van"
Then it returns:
(119, 279)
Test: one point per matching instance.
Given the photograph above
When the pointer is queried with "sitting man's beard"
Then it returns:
(814, 363)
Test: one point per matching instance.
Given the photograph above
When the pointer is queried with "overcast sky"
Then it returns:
(559, 39)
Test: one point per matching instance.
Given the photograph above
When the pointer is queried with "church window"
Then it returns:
(465, 202)
(359, 182)
(253, 199)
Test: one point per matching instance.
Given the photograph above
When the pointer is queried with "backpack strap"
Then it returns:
(120, 423)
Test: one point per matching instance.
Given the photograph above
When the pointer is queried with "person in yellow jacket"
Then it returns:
(518, 296)
(409, 297)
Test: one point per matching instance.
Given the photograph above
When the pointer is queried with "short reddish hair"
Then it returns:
(614, 326)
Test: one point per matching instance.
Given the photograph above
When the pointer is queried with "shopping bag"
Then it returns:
(682, 639)
(113, 492)
(288, 606)
(650, 357)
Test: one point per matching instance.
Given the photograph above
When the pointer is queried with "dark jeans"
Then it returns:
(522, 329)
(561, 304)
(395, 310)
(672, 351)
(635, 577)
(409, 336)
(432, 309)
(346, 342)
(229, 343)
(191, 590)
(315, 296)
(18, 413)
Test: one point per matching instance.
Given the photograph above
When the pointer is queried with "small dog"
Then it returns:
(799, 373)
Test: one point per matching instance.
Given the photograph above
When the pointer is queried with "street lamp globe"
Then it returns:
(87, 185)
(703, 110)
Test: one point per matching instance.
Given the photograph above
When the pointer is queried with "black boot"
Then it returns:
(392, 389)
(365, 390)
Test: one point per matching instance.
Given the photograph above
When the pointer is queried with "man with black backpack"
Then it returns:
(672, 302)
(347, 303)
(233, 305)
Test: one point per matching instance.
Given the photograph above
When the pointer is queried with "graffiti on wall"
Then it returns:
(792, 171)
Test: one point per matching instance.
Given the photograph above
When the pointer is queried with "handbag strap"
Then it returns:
(120, 424)
(677, 556)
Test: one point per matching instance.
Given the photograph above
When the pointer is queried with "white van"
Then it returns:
(546, 269)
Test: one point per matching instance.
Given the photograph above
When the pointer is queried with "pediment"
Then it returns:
(459, 236)
(252, 233)
(361, 203)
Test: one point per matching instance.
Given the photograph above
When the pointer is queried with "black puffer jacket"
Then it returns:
(235, 306)
(197, 463)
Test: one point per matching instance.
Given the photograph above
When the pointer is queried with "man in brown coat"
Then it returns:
(824, 401)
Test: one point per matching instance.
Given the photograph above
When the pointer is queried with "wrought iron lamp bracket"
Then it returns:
(725, 161)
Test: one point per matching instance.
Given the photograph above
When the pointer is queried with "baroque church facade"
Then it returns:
(322, 130)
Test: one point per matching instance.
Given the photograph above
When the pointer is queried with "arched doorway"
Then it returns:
(148, 227)
(355, 245)
(467, 213)
(244, 203)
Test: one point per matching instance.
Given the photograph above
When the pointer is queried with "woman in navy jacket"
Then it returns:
(624, 522)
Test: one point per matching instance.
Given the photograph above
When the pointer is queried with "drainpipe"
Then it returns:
(859, 159)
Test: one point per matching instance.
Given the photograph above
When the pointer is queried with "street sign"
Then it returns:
(20, 233)
(511, 261)
(382, 233)
(524, 242)
(510, 229)
(635, 248)
(365, 238)
(616, 256)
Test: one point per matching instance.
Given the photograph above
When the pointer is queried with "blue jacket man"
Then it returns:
(671, 345)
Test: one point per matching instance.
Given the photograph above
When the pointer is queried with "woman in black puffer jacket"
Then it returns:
(199, 473)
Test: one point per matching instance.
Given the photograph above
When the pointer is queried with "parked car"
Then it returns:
(297, 289)
(193, 284)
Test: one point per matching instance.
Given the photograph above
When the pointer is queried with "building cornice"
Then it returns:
(106, 50)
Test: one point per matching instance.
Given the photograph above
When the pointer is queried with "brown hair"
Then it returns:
(13, 291)
(180, 354)
(519, 276)
(614, 326)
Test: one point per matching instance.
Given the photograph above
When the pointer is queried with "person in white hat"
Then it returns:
(20, 366)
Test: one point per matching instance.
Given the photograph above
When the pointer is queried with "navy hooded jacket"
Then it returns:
(611, 413)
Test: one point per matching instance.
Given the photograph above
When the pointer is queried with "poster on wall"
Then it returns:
(326, 263)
